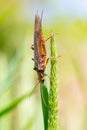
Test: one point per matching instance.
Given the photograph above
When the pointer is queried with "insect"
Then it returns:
(40, 60)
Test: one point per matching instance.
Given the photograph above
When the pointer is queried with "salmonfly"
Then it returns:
(40, 60)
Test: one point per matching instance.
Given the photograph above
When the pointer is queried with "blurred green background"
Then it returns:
(69, 20)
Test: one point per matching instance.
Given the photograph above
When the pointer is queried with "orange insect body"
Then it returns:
(40, 60)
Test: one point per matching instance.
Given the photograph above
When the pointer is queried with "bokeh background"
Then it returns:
(68, 19)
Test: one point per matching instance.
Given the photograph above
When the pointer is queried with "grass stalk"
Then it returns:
(16, 102)
(53, 93)
(44, 101)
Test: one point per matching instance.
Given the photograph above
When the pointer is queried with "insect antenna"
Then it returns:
(34, 88)
(41, 15)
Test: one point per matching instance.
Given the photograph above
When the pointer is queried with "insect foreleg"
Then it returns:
(49, 37)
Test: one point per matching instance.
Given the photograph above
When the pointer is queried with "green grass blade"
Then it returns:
(16, 102)
(44, 101)
(53, 93)
(13, 66)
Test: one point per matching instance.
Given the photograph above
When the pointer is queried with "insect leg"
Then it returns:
(52, 34)
(50, 58)
(47, 61)
(32, 46)
(47, 76)
(49, 37)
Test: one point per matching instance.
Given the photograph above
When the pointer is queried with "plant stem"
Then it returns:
(53, 93)
(44, 101)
